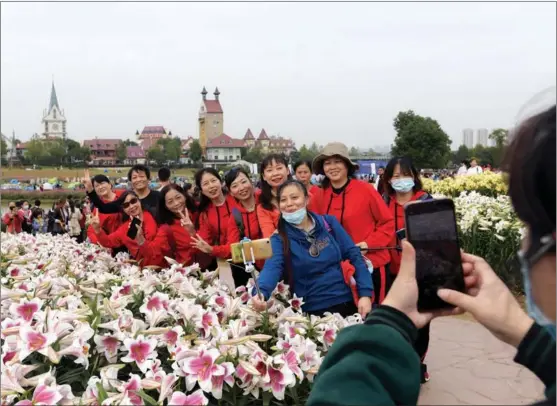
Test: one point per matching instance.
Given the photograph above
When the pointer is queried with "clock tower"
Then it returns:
(54, 120)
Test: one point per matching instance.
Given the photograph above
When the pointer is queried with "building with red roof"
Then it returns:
(224, 150)
(151, 134)
(103, 150)
(272, 144)
(135, 155)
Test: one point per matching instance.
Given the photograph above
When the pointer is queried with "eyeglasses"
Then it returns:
(127, 204)
(314, 250)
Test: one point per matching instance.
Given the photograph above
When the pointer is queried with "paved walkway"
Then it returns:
(468, 366)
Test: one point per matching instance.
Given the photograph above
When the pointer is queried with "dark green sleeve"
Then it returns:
(371, 364)
(537, 353)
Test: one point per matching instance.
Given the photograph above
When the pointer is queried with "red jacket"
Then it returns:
(109, 222)
(152, 252)
(363, 214)
(397, 211)
(213, 226)
(183, 251)
(13, 224)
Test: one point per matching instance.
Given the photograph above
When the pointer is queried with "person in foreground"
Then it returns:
(308, 250)
(376, 364)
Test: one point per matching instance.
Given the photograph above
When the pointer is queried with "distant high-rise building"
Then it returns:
(468, 138)
(482, 137)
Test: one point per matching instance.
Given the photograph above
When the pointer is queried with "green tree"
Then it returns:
(155, 153)
(254, 155)
(354, 151)
(3, 147)
(463, 153)
(35, 150)
(195, 152)
(57, 151)
(130, 143)
(422, 139)
(121, 152)
(499, 135)
(307, 154)
(171, 148)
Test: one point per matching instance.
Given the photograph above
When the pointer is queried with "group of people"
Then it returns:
(67, 216)
(335, 244)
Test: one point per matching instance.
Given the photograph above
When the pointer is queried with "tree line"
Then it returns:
(423, 139)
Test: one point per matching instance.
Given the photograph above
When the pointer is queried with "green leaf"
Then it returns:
(102, 393)
(267, 397)
(148, 399)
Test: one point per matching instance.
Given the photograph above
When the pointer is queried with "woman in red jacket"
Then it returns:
(359, 209)
(150, 245)
(178, 211)
(242, 222)
(214, 210)
(402, 184)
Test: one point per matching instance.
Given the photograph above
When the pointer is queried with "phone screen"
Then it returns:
(431, 229)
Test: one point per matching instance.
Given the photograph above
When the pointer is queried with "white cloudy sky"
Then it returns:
(318, 72)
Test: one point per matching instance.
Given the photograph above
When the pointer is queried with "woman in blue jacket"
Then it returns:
(307, 251)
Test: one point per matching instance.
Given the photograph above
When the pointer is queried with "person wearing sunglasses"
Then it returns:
(308, 250)
(148, 244)
(13, 219)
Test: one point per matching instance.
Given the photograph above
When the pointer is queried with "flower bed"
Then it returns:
(489, 227)
(80, 327)
(487, 184)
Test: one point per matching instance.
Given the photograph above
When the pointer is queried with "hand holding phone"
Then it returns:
(431, 229)
(133, 228)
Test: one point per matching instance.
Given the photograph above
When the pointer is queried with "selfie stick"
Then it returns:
(250, 268)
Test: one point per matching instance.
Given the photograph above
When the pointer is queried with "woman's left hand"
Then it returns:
(201, 244)
(364, 306)
(363, 247)
(139, 238)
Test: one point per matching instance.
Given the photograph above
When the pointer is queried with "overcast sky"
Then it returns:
(313, 72)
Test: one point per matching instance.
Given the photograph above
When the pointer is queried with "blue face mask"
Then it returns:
(533, 310)
(295, 217)
(402, 185)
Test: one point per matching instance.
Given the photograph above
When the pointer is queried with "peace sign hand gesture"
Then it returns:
(139, 238)
(96, 222)
(87, 181)
(185, 221)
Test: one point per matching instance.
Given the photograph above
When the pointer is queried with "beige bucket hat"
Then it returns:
(330, 150)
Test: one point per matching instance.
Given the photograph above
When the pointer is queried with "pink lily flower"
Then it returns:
(195, 399)
(158, 301)
(141, 351)
(201, 368)
(35, 341)
(292, 361)
(296, 303)
(109, 345)
(328, 337)
(207, 322)
(43, 395)
(281, 377)
(130, 389)
(26, 309)
(171, 336)
(217, 381)
(7, 327)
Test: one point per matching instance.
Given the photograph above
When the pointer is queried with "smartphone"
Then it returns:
(431, 229)
(132, 231)
(261, 250)
(401, 234)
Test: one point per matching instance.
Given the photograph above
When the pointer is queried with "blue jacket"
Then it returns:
(318, 280)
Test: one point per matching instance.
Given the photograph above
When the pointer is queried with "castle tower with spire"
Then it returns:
(54, 120)
(210, 119)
